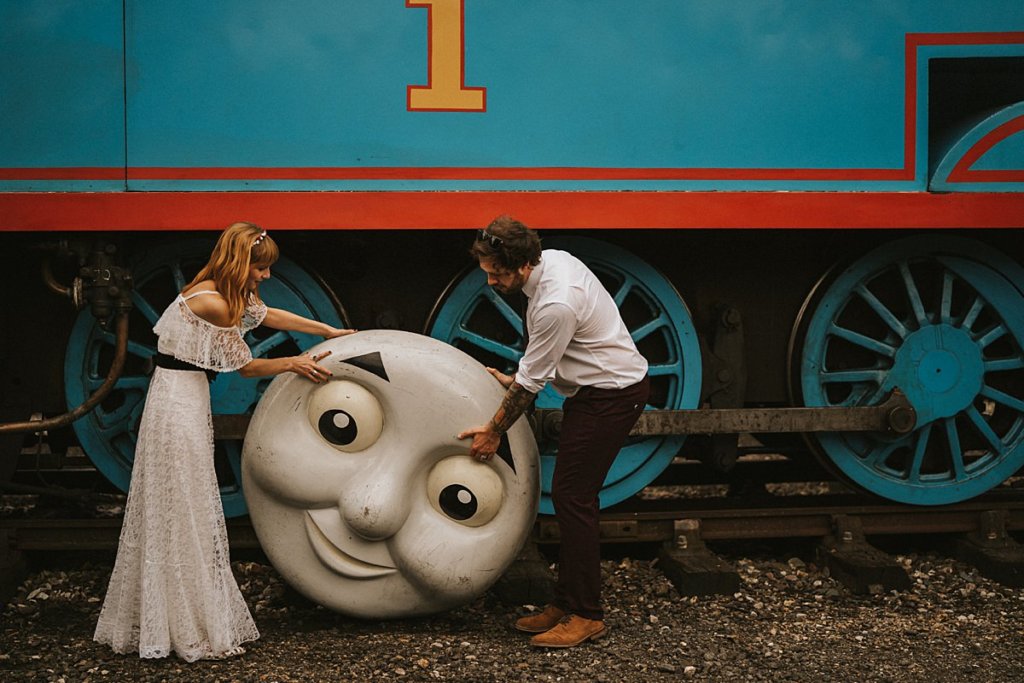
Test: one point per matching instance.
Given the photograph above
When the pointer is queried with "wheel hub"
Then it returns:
(940, 369)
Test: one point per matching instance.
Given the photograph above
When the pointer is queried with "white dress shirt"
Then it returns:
(576, 336)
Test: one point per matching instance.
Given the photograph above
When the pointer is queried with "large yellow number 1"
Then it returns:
(445, 89)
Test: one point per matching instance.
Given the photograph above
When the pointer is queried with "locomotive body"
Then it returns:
(759, 183)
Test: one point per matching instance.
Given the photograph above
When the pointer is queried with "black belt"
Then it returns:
(162, 360)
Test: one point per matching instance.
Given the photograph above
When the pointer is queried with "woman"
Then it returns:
(172, 588)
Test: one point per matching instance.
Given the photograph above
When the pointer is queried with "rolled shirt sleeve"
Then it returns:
(551, 329)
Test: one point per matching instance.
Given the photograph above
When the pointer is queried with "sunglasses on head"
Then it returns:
(493, 240)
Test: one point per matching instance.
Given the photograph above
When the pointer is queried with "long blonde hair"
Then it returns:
(240, 247)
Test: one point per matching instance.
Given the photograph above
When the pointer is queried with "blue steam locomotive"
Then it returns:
(794, 204)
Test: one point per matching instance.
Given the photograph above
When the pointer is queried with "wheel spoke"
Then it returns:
(514, 319)
(884, 313)
(178, 275)
(143, 351)
(956, 454)
(1005, 399)
(145, 308)
(946, 304)
(119, 415)
(109, 431)
(485, 344)
(659, 369)
(877, 396)
(648, 328)
(921, 445)
(852, 376)
(124, 382)
(863, 341)
(855, 397)
(623, 291)
(913, 294)
(261, 349)
(1004, 364)
(992, 335)
(986, 431)
(972, 313)
(878, 455)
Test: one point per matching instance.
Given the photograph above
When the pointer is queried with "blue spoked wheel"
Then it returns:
(108, 433)
(938, 317)
(475, 318)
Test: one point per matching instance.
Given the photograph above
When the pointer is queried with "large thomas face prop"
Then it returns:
(361, 495)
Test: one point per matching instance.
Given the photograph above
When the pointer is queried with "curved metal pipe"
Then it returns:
(121, 352)
(51, 281)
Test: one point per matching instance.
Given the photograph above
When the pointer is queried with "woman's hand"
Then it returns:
(307, 365)
(333, 332)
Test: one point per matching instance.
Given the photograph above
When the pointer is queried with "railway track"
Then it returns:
(764, 496)
(981, 532)
(639, 521)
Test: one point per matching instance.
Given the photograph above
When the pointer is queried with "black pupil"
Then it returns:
(339, 436)
(457, 501)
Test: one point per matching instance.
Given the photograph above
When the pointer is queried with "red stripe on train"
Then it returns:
(454, 210)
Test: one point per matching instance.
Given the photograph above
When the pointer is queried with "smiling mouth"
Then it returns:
(328, 537)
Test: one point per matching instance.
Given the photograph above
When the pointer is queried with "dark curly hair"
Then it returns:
(508, 242)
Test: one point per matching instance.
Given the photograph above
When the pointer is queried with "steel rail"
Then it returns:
(718, 519)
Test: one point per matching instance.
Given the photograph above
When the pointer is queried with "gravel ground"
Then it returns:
(789, 622)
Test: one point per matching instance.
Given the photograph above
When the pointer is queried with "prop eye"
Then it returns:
(346, 415)
(464, 490)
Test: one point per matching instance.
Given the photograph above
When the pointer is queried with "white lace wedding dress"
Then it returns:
(172, 588)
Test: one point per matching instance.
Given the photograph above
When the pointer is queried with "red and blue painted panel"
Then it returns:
(494, 100)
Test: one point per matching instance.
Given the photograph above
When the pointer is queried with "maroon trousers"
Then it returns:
(595, 423)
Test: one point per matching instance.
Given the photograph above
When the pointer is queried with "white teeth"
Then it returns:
(328, 536)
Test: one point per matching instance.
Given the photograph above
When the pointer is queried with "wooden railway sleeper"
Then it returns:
(992, 550)
(859, 566)
(13, 566)
(691, 567)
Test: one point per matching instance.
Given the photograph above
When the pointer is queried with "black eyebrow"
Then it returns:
(371, 362)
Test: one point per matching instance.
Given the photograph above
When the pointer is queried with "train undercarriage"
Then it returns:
(743, 329)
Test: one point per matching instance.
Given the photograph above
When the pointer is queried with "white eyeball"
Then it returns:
(464, 490)
(346, 415)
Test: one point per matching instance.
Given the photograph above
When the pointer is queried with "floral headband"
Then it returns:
(260, 238)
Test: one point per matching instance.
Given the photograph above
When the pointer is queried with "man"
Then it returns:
(578, 342)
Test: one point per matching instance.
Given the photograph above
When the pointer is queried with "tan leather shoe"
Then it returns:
(570, 632)
(538, 623)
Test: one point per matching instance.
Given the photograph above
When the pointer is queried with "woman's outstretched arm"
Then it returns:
(280, 319)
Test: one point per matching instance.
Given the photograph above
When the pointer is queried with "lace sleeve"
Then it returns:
(254, 314)
(188, 337)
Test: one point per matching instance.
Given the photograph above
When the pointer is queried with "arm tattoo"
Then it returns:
(512, 406)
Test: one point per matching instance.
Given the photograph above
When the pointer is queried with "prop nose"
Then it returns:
(374, 509)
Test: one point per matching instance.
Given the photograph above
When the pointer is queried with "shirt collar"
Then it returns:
(530, 286)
